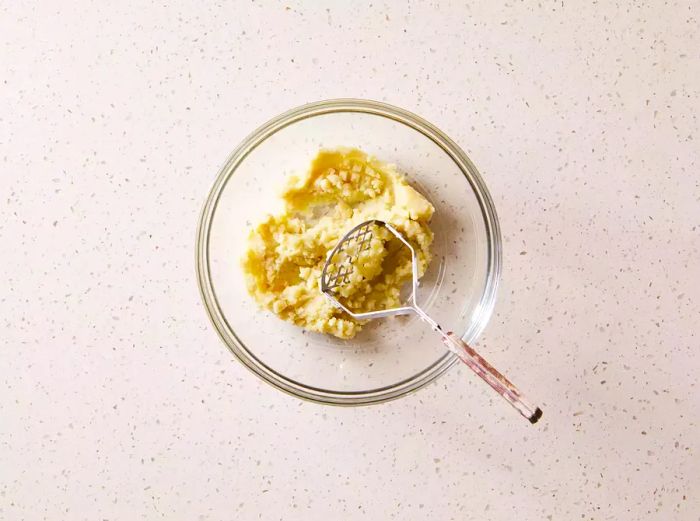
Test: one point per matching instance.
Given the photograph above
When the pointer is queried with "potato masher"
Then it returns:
(338, 271)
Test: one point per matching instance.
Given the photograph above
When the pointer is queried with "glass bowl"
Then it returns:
(390, 357)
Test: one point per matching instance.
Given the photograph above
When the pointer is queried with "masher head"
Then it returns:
(342, 265)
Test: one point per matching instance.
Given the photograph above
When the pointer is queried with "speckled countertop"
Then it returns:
(117, 399)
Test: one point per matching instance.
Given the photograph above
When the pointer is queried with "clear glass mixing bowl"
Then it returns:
(390, 357)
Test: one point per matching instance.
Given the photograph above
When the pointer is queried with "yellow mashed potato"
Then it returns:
(286, 252)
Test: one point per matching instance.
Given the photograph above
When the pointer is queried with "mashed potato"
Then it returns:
(286, 252)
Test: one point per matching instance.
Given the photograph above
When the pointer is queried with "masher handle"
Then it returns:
(491, 376)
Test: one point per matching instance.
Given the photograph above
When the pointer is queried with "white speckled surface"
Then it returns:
(117, 399)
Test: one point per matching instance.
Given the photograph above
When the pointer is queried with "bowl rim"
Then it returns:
(325, 396)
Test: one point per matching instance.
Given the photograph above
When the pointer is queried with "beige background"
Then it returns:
(118, 401)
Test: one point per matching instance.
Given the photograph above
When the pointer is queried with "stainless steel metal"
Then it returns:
(337, 271)
(340, 264)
